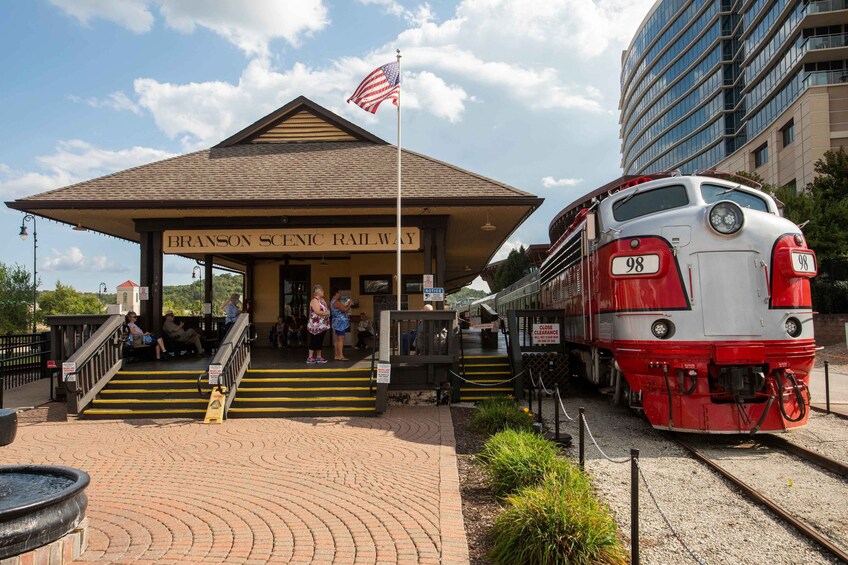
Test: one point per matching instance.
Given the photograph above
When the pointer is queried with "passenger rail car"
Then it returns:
(690, 295)
(520, 295)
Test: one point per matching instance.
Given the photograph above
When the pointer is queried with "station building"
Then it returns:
(300, 197)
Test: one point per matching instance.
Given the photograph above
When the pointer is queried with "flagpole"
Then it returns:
(399, 279)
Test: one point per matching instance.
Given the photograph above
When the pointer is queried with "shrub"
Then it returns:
(516, 458)
(556, 522)
(499, 413)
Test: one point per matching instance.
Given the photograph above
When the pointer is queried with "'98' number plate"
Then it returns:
(803, 262)
(632, 265)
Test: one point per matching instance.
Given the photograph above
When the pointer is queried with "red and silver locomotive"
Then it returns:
(690, 295)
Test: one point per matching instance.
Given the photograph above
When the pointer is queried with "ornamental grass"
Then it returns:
(499, 413)
(557, 521)
(514, 459)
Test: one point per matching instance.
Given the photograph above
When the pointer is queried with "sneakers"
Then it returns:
(311, 361)
(320, 360)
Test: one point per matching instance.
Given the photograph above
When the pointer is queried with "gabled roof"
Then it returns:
(300, 121)
(127, 284)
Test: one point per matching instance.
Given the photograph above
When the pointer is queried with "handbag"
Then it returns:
(137, 340)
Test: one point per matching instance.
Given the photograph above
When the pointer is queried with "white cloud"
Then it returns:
(389, 6)
(550, 182)
(73, 161)
(426, 90)
(73, 259)
(116, 101)
(506, 248)
(250, 26)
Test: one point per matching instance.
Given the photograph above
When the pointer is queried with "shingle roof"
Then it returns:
(284, 172)
(127, 284)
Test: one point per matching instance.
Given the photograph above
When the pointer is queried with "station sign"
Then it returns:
(272, 240)
(384, 373)
(434, 294)
(545, 334)
(215, 374)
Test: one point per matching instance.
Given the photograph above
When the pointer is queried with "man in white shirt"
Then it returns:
(364, 331)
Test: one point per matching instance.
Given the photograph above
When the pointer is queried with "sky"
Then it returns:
(523, 91)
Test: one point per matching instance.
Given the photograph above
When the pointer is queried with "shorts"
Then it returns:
(342, 332)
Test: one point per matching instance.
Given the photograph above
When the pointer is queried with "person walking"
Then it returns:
(341, 323)
(319, 323)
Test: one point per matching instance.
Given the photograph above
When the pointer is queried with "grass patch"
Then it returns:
(517, 458)
(499, 413)
(557, 521)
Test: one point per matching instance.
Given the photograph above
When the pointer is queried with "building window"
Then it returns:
(761, 156)
(375, 284)
(124, 297)
(788, 132)
(413, 284)
(791, 187)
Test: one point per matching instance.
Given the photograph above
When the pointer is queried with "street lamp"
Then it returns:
(197, 273)
(23, 234)
(101, 290)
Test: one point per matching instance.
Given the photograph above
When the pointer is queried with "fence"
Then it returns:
(23, 359)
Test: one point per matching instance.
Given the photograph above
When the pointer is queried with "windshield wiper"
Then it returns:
(627, 198)
(738, 186)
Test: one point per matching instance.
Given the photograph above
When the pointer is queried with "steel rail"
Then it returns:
(757, 496)
(823, 461)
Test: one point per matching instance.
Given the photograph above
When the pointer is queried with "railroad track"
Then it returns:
(810, 457)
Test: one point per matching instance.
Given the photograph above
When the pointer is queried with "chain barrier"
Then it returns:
(665, 518)
(607, 457)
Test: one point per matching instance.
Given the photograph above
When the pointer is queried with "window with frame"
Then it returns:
(792, 187)
(788, 133)
(716, 193)
(638, 204)
(413, 284)
(761, 155)
(375, 284)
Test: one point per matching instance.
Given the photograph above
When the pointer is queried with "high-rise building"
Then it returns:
(756, 85)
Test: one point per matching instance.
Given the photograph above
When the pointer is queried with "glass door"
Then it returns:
(295, 292)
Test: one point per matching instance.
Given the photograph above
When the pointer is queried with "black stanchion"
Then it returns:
(539, 400)
(2, 387)
(826, 386)
(582, 449)
(556, 413)
(634, 506)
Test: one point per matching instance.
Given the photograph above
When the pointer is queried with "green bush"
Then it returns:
(517, 458)
(556, 522)
(829, 297)
(499, 413)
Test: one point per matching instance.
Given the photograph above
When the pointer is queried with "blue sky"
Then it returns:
(525, 92)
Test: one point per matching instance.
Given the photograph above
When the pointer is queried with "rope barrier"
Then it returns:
(562, 406)
(460, 377)
(665, 518)
(607, 457)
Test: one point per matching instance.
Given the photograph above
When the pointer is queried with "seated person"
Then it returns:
(364, 331)
(419, 342)
(278, 333)
(178, 333)
(292, 335)
(146, 337)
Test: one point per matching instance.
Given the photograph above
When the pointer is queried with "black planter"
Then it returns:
(39, 504)
(8, 426)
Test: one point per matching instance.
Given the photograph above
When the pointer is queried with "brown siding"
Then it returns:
(300, 127)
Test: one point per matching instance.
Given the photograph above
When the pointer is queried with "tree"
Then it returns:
(464, 295)
(15, 299)
(516, 266)
(67, 300)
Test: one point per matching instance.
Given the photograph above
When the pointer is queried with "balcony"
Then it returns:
(825, 42)
(818, 78)
(823, 6)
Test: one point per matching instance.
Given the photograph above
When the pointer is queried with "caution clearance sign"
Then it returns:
(545, 334)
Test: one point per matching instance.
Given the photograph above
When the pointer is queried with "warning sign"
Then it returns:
(545, 334)
(434, 294)
(69, 370)
(215, 374)
(144, 293)
(384, 373)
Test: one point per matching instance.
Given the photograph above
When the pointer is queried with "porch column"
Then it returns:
(427, 235)
(440, 263)
(249, 284)
(151, 277)
(207, 291)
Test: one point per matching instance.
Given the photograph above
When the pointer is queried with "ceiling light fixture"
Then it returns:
(80, 227)
(488, 226)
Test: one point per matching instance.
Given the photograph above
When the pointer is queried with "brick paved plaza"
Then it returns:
(343, 490)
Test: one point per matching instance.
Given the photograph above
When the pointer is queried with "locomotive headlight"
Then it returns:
(726, 218)
(793, 327)
(662, 329)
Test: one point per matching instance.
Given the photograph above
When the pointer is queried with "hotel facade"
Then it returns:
(757, 85)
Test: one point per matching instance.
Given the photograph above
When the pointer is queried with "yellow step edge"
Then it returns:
(477, 381)
(310, 369)
(504, 357)
(467, 398)
(486, 365)
(149, 400)
(296, 389)
(312, 409)
(486, 390)
(195, 372)
(308, 399)
(129, 412)
(487, 373)
(151, 390)
(151, 381)
(305, 380)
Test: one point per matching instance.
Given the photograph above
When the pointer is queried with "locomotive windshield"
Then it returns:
(643, 203)
(714, 193)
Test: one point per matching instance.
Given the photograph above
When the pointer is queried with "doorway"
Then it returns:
(295, 293)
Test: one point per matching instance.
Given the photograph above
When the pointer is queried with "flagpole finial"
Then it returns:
(398, 55)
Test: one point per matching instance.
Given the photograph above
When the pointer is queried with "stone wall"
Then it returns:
(830, 328)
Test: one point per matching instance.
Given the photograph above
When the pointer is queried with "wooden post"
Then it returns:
(440, 263)
(207, 293)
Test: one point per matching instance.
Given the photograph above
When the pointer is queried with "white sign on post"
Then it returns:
(207, 307)
(67, 369)
(215, 374)
(545, 334)
(144, 293)
(428, 281)
(434, 294)
(384, 373)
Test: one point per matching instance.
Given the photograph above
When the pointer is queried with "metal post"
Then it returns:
(827, 386)
(582, 445)
(556, 414)
(2, 387)
(539, 399)
(634, 506)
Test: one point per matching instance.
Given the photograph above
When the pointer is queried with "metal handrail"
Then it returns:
(233, 356)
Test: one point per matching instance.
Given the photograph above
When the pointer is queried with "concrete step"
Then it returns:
(289, 412)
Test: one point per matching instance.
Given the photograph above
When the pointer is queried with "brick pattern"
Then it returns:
(309, 490)
(829, 328)
(64, 550)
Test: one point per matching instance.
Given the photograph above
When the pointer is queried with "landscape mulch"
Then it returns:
(479, 506)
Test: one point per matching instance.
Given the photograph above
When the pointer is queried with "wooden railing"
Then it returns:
(95, 361)
(67, 334)
(233, 356)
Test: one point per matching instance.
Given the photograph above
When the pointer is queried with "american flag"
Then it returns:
(382, 84)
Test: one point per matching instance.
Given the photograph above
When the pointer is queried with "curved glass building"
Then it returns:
(724, 83)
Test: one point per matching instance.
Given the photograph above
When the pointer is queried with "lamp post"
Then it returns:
(24, 234)
(197, 273)
(101, 290)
